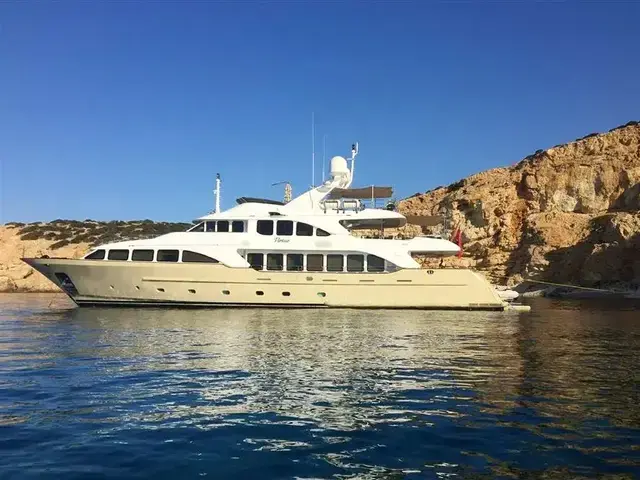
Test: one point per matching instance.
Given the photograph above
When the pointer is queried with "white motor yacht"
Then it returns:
(302, 253)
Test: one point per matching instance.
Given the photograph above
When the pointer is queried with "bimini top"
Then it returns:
(361, 193)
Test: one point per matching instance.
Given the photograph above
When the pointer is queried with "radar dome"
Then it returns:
(339, 166)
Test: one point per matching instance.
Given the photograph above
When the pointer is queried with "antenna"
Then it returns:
(313, 149)
(217, 193)
(324, 153)
(354, 152)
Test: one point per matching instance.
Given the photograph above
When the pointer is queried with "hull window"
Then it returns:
(315, 262)
(275, 261)
(256, 260)
(237, 226)
(295, 262)
(304, 230)
(375, 263)
(265, 227)
(335, 263)
(142, 256)
(118, 255)
(97, 255)
(355, 263)
(285, 227)
(195, 257)
(168, 255)
(321, 233)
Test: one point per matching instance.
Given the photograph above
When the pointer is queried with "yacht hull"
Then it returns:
(129, 283)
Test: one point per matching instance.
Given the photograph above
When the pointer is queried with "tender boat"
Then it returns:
(302, 253)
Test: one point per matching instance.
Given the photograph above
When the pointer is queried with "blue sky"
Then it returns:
(126, 110)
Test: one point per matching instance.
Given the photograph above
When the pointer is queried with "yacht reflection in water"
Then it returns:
(345, 369)
(349, 369)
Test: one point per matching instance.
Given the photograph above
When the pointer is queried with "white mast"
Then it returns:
(217, 193)
(324, 153)
(313, 150)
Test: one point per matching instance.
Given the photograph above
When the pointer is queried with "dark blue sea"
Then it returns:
(308, 394)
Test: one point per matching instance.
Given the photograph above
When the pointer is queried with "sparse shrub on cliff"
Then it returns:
(31, 235)
(29, 228)
(82, 238)
(457, 185)
(587, 136)
(628, 124)
(60, 244)
(94, 232)
(63, 235)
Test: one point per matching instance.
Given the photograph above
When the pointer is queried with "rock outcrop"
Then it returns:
(61, 238)
(17, 276)
(568, 214)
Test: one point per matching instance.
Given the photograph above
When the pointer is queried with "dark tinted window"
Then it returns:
(304, 229)
(198, 228)
(321, 233)
(118, 254)
(237, 226)
(223, 226)
(315, 262)
(275, 261)
(335, 263)
(167, 256)
(355, 263)
(285, 227)
(375, 264)
(294, 262)
(142, 256)
(97, 255)
(211, 226)
(255, 260)
(189, 256)
(265, 227)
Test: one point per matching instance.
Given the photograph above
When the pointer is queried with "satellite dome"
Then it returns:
(339, 166)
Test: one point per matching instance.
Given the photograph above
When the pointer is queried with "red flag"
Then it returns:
(457, 237)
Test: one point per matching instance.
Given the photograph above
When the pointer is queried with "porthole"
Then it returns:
(226, 292)
(259, 293)
(322, 294)
(286, 294)
(111, 287)
(160, 289)
(191, 290)
(137, 287)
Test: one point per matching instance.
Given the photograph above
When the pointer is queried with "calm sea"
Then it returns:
(151, 393)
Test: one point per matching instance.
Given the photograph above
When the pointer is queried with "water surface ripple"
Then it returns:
(230, 393)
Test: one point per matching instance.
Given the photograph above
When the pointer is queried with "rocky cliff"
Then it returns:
(61, 238)
(568, 214)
